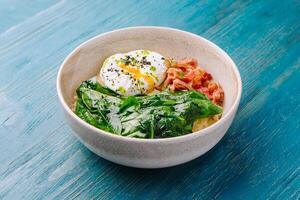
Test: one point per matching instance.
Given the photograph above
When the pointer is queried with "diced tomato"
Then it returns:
(187, 62)
(212, 87)
(197, 82)
(199, 71)
(180, 85)
(187, 75)
(204, 90)
(206, 76)
(218, 96)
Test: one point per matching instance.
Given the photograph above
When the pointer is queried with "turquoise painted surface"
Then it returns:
(259, 158)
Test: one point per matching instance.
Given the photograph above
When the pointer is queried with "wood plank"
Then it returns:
(13, 12)
(258, 158)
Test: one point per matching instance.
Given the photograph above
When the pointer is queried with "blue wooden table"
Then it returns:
(259, 158)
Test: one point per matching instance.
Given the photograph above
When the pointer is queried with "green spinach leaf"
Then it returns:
(161, 115)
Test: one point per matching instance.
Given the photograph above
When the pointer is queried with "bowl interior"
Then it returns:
(85, 61)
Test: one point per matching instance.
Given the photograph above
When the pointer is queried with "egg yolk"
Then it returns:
(136, 73)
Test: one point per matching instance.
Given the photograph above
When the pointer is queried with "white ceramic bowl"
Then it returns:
(85, 62)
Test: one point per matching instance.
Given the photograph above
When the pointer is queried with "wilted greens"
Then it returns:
(161, 115)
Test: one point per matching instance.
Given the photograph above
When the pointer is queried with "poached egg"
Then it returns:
(133, 73)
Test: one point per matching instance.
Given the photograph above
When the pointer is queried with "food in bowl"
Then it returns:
(142, 94)
(85, 62)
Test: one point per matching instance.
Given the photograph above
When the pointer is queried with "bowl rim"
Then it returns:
(188, 136)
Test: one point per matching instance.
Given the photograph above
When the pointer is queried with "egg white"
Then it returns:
(148, 63)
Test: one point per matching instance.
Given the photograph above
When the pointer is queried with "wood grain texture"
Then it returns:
(259, 158)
